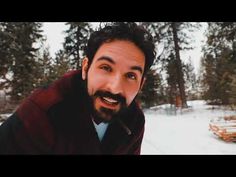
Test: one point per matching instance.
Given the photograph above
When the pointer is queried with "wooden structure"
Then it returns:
(225, 128)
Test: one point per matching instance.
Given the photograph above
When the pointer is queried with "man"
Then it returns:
(92, 111)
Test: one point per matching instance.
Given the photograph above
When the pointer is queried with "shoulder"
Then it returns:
(137, 110)
(54, 93)
(135, 118)
(33, 111)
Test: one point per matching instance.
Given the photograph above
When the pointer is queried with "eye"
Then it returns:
(131, 76)
(106, 68)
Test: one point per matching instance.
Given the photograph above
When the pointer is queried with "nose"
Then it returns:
(115, 85)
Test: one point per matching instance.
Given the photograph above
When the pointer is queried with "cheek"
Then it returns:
(94, 83)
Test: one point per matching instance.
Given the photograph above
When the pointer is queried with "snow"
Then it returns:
(184, 133)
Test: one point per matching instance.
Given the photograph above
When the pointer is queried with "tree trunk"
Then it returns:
(180, 78)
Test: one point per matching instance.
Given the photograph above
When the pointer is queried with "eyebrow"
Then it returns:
(138, 68)
(109, 59)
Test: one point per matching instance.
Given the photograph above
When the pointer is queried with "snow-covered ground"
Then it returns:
(186, 133)
(182, 133)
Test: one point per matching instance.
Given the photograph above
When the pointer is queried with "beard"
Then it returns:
(104, 114)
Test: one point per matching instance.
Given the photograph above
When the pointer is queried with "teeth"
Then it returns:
(109, 100)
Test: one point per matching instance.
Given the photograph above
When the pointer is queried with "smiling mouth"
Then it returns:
(109, 101)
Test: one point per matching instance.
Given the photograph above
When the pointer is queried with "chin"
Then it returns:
(106, 117)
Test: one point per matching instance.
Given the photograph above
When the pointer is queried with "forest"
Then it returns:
(26, 63)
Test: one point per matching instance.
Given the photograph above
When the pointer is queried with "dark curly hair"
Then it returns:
(129, 31)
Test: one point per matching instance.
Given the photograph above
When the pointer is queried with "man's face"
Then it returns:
(114, 77)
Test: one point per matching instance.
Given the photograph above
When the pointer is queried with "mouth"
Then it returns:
(109, 102)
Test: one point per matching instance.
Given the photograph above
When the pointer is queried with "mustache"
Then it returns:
(117, 97)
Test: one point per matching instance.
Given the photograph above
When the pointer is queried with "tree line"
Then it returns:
(26, 63)
(219, 64)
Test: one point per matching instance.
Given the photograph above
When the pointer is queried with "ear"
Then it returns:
(84, 68)
(142, 84)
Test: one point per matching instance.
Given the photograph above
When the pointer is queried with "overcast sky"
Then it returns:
(54, 33)
(55, 37)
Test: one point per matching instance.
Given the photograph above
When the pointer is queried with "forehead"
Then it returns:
(121, 51)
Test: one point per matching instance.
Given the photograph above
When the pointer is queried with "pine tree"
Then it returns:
(173, 37)
(179, 66)
(76, 40)
(20, 38)
(191, 81)
(62, 64)
(153, 92)
(150, 95)
(219, 63)
(46, 70)
(171, 70)
(6, 40)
